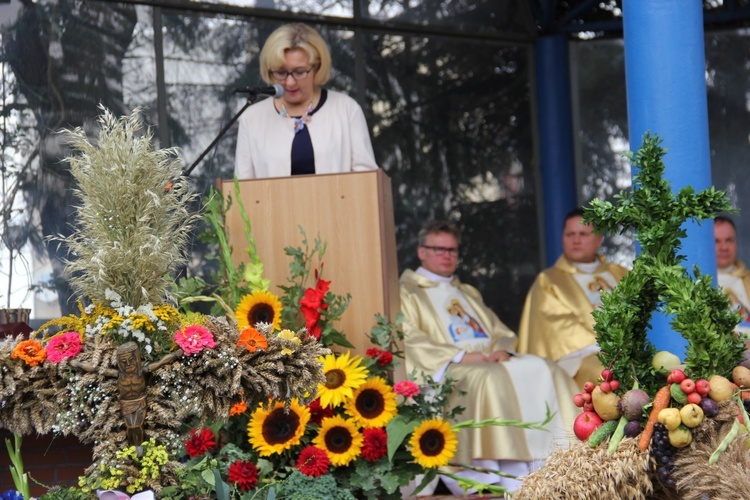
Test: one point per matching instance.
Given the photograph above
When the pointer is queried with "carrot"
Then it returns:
(661, 401)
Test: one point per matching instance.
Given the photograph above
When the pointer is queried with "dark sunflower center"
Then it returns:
(260, 313)
(338, 439)
(370, 403)
(335, 378)
(279, 427)
(432, 442)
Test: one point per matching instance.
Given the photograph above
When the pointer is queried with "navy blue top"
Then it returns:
(303, 157)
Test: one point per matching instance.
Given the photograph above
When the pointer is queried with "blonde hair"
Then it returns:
(295, 36)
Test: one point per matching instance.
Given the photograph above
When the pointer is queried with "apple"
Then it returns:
(702, 387)
(687, 386)
(589, 387)
(678, 376)
(588, 406)
(694, 398)
(586, 397)
(615, 384)
(585, 424)
(578, 400)
(607, 375)
(605, 387)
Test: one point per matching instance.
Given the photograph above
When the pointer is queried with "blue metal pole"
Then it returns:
(666, 88)
(556, 156)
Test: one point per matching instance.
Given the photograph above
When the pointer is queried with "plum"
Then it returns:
(710, 407)
(633, 428)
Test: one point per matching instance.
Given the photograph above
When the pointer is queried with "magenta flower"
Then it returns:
(63, 346)
(193, 339)
(406, 388)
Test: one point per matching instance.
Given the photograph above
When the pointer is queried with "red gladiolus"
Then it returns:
(244, 474)
(313, 461)
(375, 444)
(200, 442)
(318, 413)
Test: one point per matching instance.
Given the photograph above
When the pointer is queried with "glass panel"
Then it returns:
(511, 19)
(335, 8)
(452, 126)
(67, 59)
(602, 132)
(728, 81)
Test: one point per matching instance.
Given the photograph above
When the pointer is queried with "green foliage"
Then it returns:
(658, 281)
(300, 487)
(20, 478)
(61, 493)
(134, 218)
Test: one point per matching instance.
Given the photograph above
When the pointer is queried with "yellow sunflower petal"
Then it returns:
(373, 403)
(340, 439)
(343, 376)
(433, 443)
(258, 307)
(276, 429)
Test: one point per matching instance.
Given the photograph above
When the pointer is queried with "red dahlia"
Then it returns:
(318, 413)
(200, 442)
(313, 461)
(375, 444)
(244, 474)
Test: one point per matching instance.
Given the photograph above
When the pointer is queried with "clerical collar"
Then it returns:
(586, 267)
(728, 269)
(434, 277)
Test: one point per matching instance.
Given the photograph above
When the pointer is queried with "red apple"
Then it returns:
(607, 375)
(586, 423)
(702, 387)
(678, 376)
(605, 387)
(588, 406)
(615, 384)
(589, 387)
(694, 398)
(578, 400)
(687, 386)
(587, 397)
(670, 379)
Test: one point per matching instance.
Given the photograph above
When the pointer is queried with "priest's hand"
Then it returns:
(499, 356)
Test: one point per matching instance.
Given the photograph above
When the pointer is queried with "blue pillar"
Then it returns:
(556, 156)
(666, 88)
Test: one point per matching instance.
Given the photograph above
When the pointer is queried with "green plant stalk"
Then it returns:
(474, 424)
(466, 484)
(20, 478)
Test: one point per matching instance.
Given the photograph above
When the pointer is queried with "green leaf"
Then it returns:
(397, 429)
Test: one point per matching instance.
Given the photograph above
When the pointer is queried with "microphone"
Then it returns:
(274, 91)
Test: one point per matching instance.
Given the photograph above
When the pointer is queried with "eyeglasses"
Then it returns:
(280, 75)
(453, 252)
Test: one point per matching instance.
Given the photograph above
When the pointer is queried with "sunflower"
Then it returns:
(343, 376)
(373, 404)
(340, 439)
(276, 429)
(259, 307)
(433, 443)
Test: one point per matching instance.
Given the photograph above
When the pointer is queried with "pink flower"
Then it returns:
(193, 339)
(64, 346)
(406, 388)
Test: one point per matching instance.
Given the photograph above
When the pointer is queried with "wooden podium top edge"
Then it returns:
(378, 171)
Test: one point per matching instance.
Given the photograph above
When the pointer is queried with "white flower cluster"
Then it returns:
(82, 404)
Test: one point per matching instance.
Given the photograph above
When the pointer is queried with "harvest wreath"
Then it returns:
(652, 427)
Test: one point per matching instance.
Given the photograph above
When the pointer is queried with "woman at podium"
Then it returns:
(308, 129)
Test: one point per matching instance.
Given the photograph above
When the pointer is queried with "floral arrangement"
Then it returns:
(128, 370)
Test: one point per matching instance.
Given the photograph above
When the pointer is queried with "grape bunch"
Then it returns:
(664, 455)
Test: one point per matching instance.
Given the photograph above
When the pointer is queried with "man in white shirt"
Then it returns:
(733, 276)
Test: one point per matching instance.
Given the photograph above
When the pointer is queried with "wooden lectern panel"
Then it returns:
(352, 213)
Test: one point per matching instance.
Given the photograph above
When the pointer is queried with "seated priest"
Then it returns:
(448, 328)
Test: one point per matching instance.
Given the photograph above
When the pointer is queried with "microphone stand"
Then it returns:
(223, 131)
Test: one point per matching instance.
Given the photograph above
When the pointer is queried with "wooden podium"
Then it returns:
(351, 212)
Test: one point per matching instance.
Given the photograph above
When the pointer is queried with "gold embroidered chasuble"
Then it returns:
(556, 319)
(517, 389)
